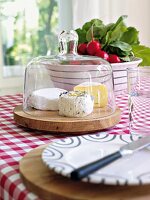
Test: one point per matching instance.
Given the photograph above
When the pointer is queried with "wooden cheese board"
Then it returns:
(48, 185)
(51, 121)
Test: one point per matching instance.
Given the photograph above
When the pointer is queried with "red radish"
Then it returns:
(82, 48)
(114, 58)
(92, 47)
(102, 54)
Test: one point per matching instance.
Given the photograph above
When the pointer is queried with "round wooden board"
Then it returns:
(49, 185)
(51, 121)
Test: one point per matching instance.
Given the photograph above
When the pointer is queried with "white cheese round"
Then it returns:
(46, 99)
(75, 104)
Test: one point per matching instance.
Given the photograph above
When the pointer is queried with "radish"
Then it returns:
(114, 58)
(102, 54)
(92, 47)
(82, 48)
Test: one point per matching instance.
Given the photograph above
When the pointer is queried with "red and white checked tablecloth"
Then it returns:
(16, 141)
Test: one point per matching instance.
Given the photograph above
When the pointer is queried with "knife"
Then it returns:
(127, 149)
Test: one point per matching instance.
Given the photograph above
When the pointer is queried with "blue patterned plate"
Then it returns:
(65, 155)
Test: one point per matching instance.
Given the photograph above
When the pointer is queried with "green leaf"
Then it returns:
(143, 52)
(105, 35)
(82, 35)
(96, 22)
(120, 48)
(131, 36)
(119, 22)
(109, 26)
(98, 33)
(87, 26)
(116, 31)
(122, 45)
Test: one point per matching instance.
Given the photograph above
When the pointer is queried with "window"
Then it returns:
(28, 28)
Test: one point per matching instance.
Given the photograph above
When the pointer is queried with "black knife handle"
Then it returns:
(84, 171)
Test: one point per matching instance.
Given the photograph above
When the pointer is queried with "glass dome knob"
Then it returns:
(68, 41)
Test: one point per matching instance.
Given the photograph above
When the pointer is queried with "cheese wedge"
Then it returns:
(97, 90)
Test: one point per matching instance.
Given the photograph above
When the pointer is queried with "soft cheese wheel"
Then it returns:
(97, 90)
(75, 104)
(46, 99)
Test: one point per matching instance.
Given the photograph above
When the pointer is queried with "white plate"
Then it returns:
(64, 155)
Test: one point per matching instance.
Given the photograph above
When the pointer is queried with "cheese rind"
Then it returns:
(46, 98)
(97, 90)
(75, 104)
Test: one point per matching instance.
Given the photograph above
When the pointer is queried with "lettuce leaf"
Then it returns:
(131, 36)
(143, 52)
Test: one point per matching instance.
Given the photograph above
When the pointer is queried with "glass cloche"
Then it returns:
(69, 84)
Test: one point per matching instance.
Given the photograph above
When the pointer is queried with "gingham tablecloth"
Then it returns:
(16, 141)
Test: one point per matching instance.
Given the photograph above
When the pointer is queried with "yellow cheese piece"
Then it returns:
(97, 90)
